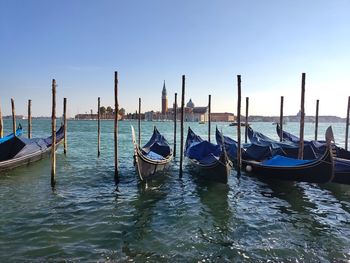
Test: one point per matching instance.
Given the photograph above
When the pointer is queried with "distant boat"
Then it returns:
(201, 122)
(22, 151)
(19, 132)
(153, 157)
(236, 124)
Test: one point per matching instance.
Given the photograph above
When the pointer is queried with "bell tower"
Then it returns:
(164, 100)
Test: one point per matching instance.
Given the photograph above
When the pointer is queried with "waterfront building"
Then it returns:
(192, 113)
(222, 116)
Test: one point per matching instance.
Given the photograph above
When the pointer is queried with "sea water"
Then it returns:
(168, 219)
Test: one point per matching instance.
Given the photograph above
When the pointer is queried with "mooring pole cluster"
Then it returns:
(182, 119)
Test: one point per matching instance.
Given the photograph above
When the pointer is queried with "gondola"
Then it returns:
(19, 132)
(262, 160)
(208, 159)
(19, 151)
(340, 155)
(318, 146)
(249, 151)
(285, 148)
(153, 157)
(320, 170)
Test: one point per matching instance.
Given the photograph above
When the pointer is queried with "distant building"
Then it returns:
(154, 116)
(18, 117)
(222, 116)
(192, 113)
(164, 101)
(149, 115)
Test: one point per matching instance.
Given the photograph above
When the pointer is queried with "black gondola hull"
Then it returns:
(32, 154)
(319, 171)
(26, 160)
(217, 172)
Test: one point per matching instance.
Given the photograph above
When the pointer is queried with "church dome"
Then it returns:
(190, 104)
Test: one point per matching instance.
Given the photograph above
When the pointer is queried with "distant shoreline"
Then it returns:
(254, 118)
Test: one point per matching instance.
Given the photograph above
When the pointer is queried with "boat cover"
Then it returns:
(319, 147)
(250, 151)
(200, 150)
(157, 148)
(289, 149)
(279, 160)
(19, 132)
(18, 147)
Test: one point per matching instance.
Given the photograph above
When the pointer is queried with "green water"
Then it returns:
(170, 219)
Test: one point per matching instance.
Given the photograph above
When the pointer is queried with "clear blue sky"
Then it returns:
(81, 43)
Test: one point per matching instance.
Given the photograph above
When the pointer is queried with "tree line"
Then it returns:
(110, 111)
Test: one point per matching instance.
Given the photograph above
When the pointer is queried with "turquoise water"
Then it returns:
(170, 219)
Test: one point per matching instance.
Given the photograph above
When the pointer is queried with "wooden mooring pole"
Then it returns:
(116, 107)
(347, 125)
(29, 119)
(246, 119)
(239, 162)
(13, 117)
(139, 123)
(98, 127)
(281, 118)
(53, 130)
(65, 142)
(302, 118)
(175, 111)
(182, 124)
(316, 119)
(209, 117)
(1, 125)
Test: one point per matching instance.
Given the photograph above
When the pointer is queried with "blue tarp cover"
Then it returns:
(279, 160)
(203, 151)
(19, 132)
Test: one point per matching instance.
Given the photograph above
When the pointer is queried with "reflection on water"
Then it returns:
(169, 219)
